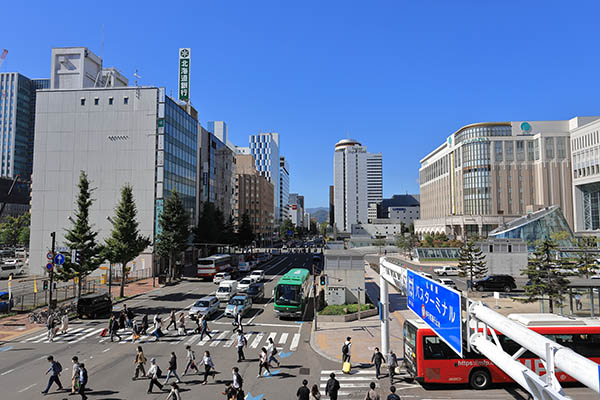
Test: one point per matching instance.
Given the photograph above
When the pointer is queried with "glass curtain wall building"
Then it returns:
(284, 188)
(265, 149)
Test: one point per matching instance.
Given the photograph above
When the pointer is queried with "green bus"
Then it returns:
(291, 293)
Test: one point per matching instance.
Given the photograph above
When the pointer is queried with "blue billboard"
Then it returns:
(437, 305)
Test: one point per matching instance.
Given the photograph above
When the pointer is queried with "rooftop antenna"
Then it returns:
(137, 76)
(99, 74)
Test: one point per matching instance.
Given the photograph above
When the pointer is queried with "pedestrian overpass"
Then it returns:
(446, 310)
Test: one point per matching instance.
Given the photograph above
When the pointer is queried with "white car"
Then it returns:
(447, 282)
(221, 276)
(446, 270)
(257, 275)
(426, 275)
(244, 284)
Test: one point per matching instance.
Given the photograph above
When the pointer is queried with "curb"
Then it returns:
(316, 348)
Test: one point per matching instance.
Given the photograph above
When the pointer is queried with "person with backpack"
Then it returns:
(154, 373)
(238, 381)
(208, 365)
(271, 351)
(392, 364)
(241, 343)
(372, 393)
(75, 375)
(346, 349)
(83, 380)
(172, 370)
(129, 316)
(139, 362)
(393, 395)
(54, 370)
(191, 360)
(332, 388)
(303, 392)
(377, 359)
(113, 327)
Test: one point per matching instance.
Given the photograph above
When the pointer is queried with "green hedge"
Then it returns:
(345, 309)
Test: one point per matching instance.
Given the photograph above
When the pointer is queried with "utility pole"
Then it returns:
(315, 294)
(53, 236)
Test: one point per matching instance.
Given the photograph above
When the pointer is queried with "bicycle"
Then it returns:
(38, 317)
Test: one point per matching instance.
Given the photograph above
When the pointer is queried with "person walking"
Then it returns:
(372, 393)
(303, 393)
(75, 375)
(204, 330)
(346, 348)
(332, 388)
(155, 374)
(139, 362)
(51, 325)
(392, 364)
(208, 365)
(174, 393)
(238, 322)
(191, 360)
(122, 318)
(181, 328)
(172, 368)
(578, 305)
(113, 327)
(83, 380)
(241, 343)
(54, 371)
(263, 362)
(377, 359)
(156, 329)
(64, 323)
(230, 392)
(144, 324)
(172, 320)
(314, 393)
(393, 395)
(128, 316)
(272, 351)
(238, 381)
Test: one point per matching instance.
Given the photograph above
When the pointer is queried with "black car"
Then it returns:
(94, 305)
(256, 291)
(504, 283)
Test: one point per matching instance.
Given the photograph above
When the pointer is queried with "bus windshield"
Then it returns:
(288, 294)
(206, 262)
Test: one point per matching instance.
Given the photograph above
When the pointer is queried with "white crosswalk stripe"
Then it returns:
(295, 342)
(257, 340)
(218, 339)
(206, 338)
(283, 338)
(357, 382)
(229, 342)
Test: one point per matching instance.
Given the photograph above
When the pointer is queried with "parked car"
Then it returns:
(258, 275)
(221, 276)
(12, 269)
(206, 306)
(447, 282)
(244, 283)
(256, 291)
(6, 304)
(238, 304)
(505, 283)
(226, 290)
(446, 270)
(94, 305)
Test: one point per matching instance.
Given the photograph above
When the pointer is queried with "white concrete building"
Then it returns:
(357, 178)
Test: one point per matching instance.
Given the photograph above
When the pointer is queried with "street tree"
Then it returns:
(471, 262)
(81, 237)
(587, 255)
(125, 242)
(286, 227)
(547, 275)
(379, 242)
(407, 243)
(245, 234)
(14, 231)
(174, 231)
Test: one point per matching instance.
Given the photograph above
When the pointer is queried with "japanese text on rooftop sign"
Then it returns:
(437, 305)
(184, 73)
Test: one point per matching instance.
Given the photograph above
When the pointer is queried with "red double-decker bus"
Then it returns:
(429, 360)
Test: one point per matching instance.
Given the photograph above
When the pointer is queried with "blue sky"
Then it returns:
(398, 76)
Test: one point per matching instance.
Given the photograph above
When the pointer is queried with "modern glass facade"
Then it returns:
(180, 155)
(591, 206)
(476, 177)
(265, 149)
(284, 189)
(536, 226)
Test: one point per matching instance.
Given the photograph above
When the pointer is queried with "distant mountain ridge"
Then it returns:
(321, 214)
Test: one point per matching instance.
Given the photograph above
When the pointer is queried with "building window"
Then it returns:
(549, 148)
(536, 149)
(110, 101)
(530, 151)
(498, 151)
(520, 150)
(508, 151)
(96, 101)
(561, 148)
(82, 101)
(125, 100)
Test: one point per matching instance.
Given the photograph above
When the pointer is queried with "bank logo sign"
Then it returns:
(184, 74)
(525, 127)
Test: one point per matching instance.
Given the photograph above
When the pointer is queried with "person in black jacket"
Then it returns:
(172, 368)
(303, 391)
(83, 379)
(332, 388)
(377, 359)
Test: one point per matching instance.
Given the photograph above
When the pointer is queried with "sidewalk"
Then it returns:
(18, 325)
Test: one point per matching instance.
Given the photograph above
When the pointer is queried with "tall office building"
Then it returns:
(485, 175)
(357, 179)
(117, 135)
(296, 209)
(17, 123)
(284, 189)
(265, 149)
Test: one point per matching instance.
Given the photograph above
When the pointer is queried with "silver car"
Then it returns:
(206, 306)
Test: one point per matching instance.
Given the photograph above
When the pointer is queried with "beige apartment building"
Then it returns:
(487, 174)
(254, 195)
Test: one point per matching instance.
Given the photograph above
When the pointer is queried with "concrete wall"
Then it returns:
(345, 269)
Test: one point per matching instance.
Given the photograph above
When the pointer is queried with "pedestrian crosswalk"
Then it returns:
(217, 338)
(355, 384)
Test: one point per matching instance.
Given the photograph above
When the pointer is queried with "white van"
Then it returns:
(244, 266)
(11, 269)
(227, 289)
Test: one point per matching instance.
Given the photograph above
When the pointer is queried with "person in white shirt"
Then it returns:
(208, 364)
(237, 378)
(153, 375)
(191, 360)
(241, 343)
(271, 351)
(346, 349)
(75, 375)
(64, 324)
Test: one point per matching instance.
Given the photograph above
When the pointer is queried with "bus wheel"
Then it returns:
(480, 379)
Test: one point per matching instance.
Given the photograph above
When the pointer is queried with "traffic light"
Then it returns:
(45, 285)
(323, 280)
(75, 256)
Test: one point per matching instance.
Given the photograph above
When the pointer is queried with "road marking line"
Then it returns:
(261, 324)
(283, 338)
(87, 335)
(295, 342)
(69, 335)
(27, 388)
(7, 372)
(257, 340)
(218, 339)
(230, 341)
(272, 335)
(34, 337)
(350, 385)
(104, 351)
(206, 339)
(343, 378)
(353, 373)
(192, 339)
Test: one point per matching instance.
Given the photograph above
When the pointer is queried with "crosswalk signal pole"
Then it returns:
(53, 236)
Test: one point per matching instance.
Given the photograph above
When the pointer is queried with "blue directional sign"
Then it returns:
(49, 266)
(437, 305)
(59, 259)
